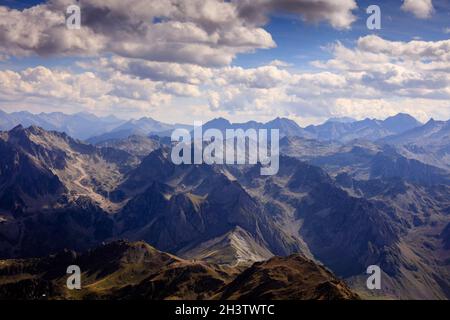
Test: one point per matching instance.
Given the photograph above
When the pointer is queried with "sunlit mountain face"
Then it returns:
(136, 137)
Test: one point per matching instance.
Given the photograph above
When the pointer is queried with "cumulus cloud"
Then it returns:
(41, 31)
(376, 70)
(389, 73)
(337, 13)
(375, 78)
(202, 32)
(174, 57)
(157, 71)
(420, 50)
(279, 63)
(48, 88)
(422, 9)
(264, 77)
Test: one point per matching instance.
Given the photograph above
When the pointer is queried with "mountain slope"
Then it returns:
(375, 208)
(123, 270)
(334, 227)
(80, 168)
(55, 189)
(432, 132)
(428, 143)
(139, 146)
(186, 205)
(293, 277)
(236, 247)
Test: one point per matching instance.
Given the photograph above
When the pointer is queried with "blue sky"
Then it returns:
(298, 41)
(317, 54)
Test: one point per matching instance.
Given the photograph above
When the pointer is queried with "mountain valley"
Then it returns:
(342, 205)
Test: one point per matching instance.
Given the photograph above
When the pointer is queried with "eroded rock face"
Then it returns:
(69, 194)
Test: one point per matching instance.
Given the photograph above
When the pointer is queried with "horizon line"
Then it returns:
(352, 119)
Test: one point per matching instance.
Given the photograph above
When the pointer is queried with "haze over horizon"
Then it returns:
(301, 61)
(342, 119)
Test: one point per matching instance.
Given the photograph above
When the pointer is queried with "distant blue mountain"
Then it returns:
(286, 126)
(369, 129)
(401, 122)
(142, 127)
(79, 125)
(342, 120)
(432, 132)
(95, 129)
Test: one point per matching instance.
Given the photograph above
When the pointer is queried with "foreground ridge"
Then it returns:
(136, 270)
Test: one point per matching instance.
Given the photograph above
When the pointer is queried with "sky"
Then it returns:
(194, 60)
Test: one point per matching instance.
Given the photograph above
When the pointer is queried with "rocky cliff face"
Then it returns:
(350, 206)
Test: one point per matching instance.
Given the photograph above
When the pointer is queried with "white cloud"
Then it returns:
(279, 63)
(202, 32)
(47, 88)
(264, 77)
(157, 71)
(392, 67)
(375, 78)
(337, 13)
(422, 9)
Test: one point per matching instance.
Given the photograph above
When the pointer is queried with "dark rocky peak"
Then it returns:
(306, 177)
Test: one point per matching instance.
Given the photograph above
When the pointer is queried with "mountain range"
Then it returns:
(95, 129)
(79, 125)
(370, 129)
(336, 205)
